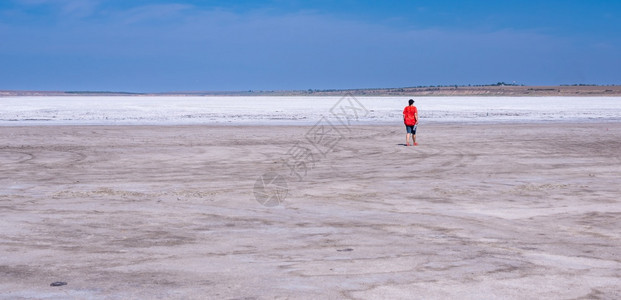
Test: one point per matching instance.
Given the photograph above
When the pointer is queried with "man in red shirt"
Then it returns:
(410, 118)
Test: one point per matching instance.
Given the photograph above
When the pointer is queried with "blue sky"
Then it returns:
(156, 46)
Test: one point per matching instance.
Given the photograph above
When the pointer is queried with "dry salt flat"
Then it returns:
(138, 110)
(511, 201)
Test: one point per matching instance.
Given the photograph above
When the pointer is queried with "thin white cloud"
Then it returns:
(66, 8)
(155, 12)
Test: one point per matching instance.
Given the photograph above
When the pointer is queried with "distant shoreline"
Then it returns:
(426, 91)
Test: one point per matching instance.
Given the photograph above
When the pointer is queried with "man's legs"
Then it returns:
(407, 139)
(414, 139)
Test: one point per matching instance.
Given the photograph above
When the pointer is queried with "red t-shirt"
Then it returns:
(410, 115)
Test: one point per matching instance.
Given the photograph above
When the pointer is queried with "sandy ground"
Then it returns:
(525, 211)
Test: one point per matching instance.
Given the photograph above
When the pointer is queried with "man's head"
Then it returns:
(411, 101)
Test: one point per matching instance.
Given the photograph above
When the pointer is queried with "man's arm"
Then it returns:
(416, 118)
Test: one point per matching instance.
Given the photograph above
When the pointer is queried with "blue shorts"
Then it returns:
(411, 129)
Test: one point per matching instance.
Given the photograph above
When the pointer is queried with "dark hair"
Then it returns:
(411, 101)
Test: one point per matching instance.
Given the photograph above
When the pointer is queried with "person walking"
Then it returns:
(410, 119)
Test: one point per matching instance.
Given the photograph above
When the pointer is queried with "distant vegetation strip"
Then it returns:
(498, 89)
(99, 93)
